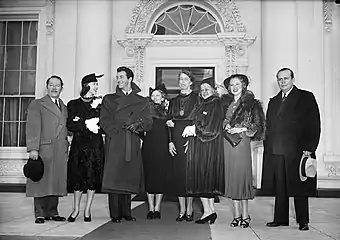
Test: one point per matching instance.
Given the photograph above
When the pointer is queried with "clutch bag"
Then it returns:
(233, 139)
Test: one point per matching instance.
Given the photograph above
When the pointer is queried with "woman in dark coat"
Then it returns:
(86, 157)
(181, 111)
(244, 119)
(155, 152)
(205, 168)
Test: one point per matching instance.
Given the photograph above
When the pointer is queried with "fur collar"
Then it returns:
(246, 100)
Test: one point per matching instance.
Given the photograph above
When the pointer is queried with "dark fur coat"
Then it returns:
(249, 113)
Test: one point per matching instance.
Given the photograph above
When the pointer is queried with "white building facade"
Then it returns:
(72, 38)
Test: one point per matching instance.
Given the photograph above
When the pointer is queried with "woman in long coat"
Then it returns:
(205, 167)
(86, 157)
(155, 152)
(181, 111)
(244, 118)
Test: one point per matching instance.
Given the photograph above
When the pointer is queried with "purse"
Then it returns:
(233, 139)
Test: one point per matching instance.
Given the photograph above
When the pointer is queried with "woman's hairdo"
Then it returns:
(188, 73)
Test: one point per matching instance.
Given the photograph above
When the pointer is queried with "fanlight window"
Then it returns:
(185, 20)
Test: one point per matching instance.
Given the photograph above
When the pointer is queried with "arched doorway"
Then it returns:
(206, 34)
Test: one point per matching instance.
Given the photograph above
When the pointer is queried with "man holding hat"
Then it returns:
(293, 131)
(123, 116)
(46, 139)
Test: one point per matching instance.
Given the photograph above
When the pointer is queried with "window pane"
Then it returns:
(1, 109)
(1, 123)
(27, 86)
(12, 109)
(2, 57)
(14, 33)
(11, 134)
(169, 76)
(1, 82)
(13, 58)
(25, 102)
(30, 33)
(11, 82)
(29, 57)
(22, 137)
(2, 33)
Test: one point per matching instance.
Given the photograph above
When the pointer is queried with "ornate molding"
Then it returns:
(333, 169)
(11, 167)
(135, 48)
(332, 164)
(230, 14)
(141, 14)
(50, 8)
(327, 12)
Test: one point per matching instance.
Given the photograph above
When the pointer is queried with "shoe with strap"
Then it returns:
(236, 221)
(245, 222)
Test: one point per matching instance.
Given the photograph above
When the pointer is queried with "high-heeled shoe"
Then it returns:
(236, 222)
(245, 222)
(87, 219)
(180, 217)
(210, 218)
(72, 219)
(189, 217)
(150, 215)
(157, 215)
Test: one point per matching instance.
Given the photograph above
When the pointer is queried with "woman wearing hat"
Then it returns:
(86, 157)
(243, 121)
(155, 152)
(181, 111)
(205, 168)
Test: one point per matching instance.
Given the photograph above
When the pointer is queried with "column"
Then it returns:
(93, 52)
(279, 43)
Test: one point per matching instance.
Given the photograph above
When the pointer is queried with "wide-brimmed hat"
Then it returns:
(90, 78)
(243, 78)
(307, 168)
(209, 80)
(34, 169)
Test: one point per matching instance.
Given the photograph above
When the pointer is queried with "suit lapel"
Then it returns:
(62, 117)
(290, 101)
(60, 114)
(127, 101)
(49, 105)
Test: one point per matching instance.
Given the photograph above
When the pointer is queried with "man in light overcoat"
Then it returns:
(46, 136)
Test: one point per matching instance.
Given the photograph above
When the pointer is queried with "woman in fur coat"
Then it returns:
(244, 121)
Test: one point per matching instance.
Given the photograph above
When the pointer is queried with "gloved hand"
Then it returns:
(134, 127)
(92, 124)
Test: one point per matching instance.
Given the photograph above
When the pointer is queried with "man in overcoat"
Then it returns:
(46, 136)
(123, 116)
(293, 128)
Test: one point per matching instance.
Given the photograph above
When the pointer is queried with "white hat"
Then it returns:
(308, 167)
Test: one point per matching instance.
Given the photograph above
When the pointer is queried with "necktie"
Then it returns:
(56, 103)
(283, 98)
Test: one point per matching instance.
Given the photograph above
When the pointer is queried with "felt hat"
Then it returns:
(34, 169)
(210, 81)
(160, 87)
(307, 168)
(243, 78)
(90, 78)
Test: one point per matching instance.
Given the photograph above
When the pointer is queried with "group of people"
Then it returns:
(196, 144)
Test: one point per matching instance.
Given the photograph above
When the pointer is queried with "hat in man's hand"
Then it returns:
(308, 168)
(34, 169)
(90, 78)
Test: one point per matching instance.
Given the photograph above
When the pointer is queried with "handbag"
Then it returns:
(233, 139)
